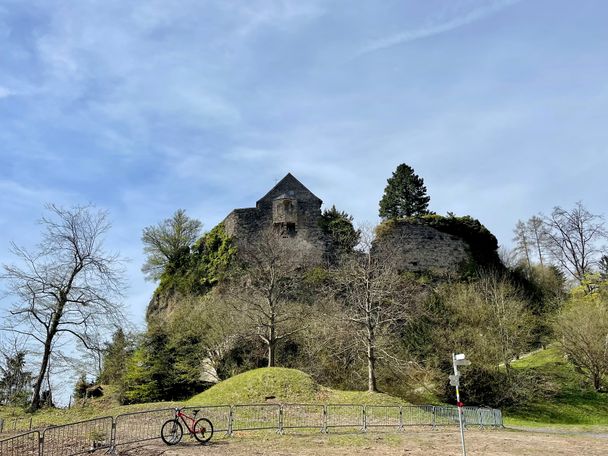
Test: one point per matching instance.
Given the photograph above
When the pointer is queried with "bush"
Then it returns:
(496, 388)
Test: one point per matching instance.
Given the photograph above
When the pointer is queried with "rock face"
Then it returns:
(424, 249)
(290, 209)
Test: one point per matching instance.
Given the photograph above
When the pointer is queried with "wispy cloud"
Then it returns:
(435, 27)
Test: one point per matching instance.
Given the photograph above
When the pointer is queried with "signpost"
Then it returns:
(459, 360)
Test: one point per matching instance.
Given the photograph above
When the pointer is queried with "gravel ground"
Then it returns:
(427, 443)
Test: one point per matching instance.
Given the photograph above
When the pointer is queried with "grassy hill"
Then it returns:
(574, 404)
(255, 386)
(277, 384)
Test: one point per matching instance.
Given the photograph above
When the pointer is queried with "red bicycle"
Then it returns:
(172, 431)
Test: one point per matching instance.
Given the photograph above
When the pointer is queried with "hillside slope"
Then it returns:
(575, 403)
(277, 384)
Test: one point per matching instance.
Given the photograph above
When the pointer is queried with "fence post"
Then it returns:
(433, 421)
(325, 418)
(230, 420)
(480, 418)
(280, 429)
(498, 418)
(401, 417)
(113, 434)
(1, 425)
(41, 443)
(364, 411)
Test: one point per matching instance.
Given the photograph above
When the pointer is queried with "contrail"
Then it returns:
(435, 29)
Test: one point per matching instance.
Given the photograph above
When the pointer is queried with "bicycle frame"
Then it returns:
(183, 416)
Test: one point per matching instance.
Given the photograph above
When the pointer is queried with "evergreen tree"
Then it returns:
(404, 195)
(80, 389)
(15, 382)
(115, 357)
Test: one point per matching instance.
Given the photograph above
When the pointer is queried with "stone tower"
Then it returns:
(290, 209)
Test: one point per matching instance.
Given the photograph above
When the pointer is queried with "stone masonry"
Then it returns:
(290, 209)
(294, 211)
(424, 249)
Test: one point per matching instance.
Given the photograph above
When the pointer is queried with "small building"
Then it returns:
(289, 208)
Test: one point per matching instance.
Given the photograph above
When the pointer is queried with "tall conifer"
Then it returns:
(404, 195)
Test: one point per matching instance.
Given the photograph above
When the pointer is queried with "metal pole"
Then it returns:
(464, 449)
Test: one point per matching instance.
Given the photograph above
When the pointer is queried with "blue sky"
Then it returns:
(143, 107)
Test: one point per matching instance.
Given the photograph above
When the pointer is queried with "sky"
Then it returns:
(144, 107)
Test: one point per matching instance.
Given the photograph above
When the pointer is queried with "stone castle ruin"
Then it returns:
(292, 210)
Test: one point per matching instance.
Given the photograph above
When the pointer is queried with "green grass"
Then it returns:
(575, 404)
(277, 384)
(287, 385)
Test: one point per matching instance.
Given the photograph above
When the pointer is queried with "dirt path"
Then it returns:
(427, 443)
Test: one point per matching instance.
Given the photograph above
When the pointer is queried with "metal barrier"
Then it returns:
(255, 417)
(418, 415)
(344, 416)
(445, 416)
(302, 416)
(219, 415)
(107, 433)
(140, 426)
(382, 416)
(487, 417)
(78, 438)
(27, 444)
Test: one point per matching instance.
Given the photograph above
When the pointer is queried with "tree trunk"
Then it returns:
(597, 382)
(271, 354)
(35, 403)
(371, 361)
(371, 370)
(272, 341)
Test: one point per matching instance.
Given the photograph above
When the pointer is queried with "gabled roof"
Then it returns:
(291, 186)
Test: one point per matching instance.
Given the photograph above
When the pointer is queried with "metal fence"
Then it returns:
(27, 444)
(78, 438)
(85, 437)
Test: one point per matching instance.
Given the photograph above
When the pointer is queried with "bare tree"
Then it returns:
(522, 242)
(537, 234)
(266, 288)
(67, 286)
(489, 318)
(573, 239)
(582, 330)
(376, 299)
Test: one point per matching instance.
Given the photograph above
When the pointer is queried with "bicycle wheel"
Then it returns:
(203, 430)
(171, 432)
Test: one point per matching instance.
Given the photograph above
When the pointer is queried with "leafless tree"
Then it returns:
(537, 234)
(573, 239)
(522, 242)
(582, 329)
(530, 240)
(67, 286)
(489, 318)
(376, 299)
(266, 289)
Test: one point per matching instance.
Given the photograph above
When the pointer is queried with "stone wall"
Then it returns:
(424, 249)
(303, 229)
